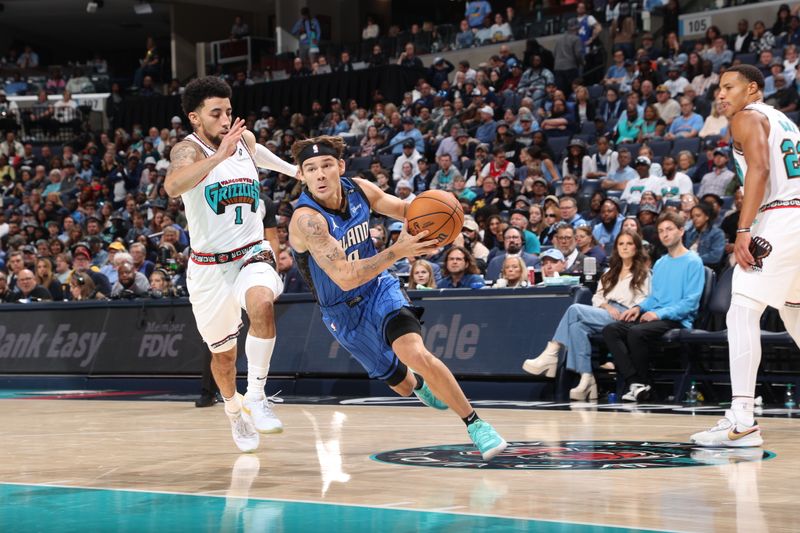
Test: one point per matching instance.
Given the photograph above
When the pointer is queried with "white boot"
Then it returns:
(546, 364)
(586, 389)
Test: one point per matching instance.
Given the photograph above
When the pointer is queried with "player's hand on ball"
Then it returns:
(408, 245)
(741, 251)
(228, 145)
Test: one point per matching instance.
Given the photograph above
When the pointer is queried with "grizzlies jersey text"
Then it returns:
(351, 229)
(223, 209)
(784, 163)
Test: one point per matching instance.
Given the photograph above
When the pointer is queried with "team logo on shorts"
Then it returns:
(574, 455)
(760, 248)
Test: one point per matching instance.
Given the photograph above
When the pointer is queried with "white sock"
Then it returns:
(233, 405)
(744, 339)
(259, 354)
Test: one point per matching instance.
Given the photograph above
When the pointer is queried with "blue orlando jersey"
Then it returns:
(351, 229)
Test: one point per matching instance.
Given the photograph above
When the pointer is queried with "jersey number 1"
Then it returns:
(239, 213)
(790, 158)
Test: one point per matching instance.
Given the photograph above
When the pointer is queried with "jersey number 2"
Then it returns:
(790, 158)
(239, 213)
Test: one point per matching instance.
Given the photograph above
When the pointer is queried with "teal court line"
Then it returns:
(63, 509)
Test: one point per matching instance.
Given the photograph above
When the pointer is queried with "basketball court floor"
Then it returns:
(77, 465)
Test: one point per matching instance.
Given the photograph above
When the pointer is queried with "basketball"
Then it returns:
(439, 212)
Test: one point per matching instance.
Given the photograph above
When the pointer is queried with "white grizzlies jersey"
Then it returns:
(784, 158)
(223, 209)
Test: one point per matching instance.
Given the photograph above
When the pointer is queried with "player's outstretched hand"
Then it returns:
(741, 251)
(411, 246)
(228, 145)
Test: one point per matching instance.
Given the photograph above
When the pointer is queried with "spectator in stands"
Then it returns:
(55, 82)
(677, 283)
(781, 26)
(409, 155)
(568, 53)
(472, 241)
(500, 30)
(408, 58)
(653, 127)
(439, 72)
(16, 86)
(465, 38)
(763, 39)
(584, 107)
(131, 284)
(673, 183)
(487, 130)
(476, 12)
(409, 132)
(559, 122)
(587, 244)
(643, 182)
(649, 48)
(719, 180)
(616, 181)
(552, 263)
(293, 282)
(518, 218)
(28, 59)
(616, 72)
(514, 242)
(513, 275)
(565, 242)
(703, 238)
(5, 292)
(630, 126)
(646, 72)
(298, 69)
(82, 287)
(377, 58)
(625, 285)
(140, 261)
(149, 65)
(446, 175)
(422, 276)
(459, 270)
(370, 142)
(308, 33)
(371, 30)
(718, 54)
(28, 289)
(706, 79)
(739, 42)
(345, 65)
(766, 61)
(623, 31)
(239, 29)
(610, 222)
(675, 83)
(688, 124)
(11, 145)
(716, 124)
(534, 81)
(793, 37)
(786, 97)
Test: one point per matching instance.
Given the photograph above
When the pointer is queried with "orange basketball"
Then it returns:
(439, 212)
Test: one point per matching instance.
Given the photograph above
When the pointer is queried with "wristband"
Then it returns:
(742, 230)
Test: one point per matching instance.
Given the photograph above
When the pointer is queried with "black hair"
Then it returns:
(750, 73)
(198, 90)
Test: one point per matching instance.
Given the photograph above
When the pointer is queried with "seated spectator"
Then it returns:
(422, 276)
(587, 245)
(499, 166)
(553, 263)
(716, 124)
(675, 83)
(81, 262)
(409, 155)
(719, 180)
(465, 38)
(610, 222)
(409, 131)
(763, 39)
(28, 289)
(673, 183)
(740, 41)
(239, 29)
(703, 238)
(28, 59)
(667, 107)
(445, 176)
(624, 285)
(371, 30)
(629, 126)
(293, 282)
(565, 242)
(786, 97)
(345, 65)
(706, 79)
(616, 72)
(653, 127)
(460, 270)
(687, 124)
(472, 242)
(775, 70)
(577, 162)
(569, 211)
(298, 69)
(677, 283)
(512, 245)
(500, 30)
(513, 275)
(5, 292)
(409, 58)
(45, 278)
(616, 181)
(718, 54)
(487, 130)
(80, 83)
(643, 182)
(518, 218)
(130, 283)
(82, 287)
(605, 160)
(161, 284)
(559, 122)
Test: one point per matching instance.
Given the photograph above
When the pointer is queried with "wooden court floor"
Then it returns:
(324, 456)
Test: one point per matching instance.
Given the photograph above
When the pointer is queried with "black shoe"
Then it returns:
(205, 400)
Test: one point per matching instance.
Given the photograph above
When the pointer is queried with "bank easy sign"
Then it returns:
(696, 24)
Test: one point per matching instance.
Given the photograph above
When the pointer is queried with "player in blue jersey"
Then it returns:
(363, 306)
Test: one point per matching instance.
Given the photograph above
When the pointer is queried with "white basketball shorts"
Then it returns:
(217, 293)
(775, 278)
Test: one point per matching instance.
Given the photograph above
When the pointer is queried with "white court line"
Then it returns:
(342, 504)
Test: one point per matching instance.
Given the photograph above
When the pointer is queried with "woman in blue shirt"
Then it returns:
(703, 237)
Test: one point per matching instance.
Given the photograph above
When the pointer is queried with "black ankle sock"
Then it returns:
(420, 381)
(471, 418)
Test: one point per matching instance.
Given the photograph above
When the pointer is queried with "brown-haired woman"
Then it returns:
(625, 284)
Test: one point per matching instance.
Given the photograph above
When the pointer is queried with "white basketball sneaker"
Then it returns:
(244, 432)
(264, 419)
(729, 433)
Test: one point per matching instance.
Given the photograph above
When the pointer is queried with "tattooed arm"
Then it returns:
(187, 167)
(308, 231)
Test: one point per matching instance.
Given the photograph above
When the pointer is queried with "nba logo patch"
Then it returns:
(333, 326)
(316, 149)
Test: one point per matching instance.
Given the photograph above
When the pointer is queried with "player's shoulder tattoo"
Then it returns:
(311, 225)
(182, 154)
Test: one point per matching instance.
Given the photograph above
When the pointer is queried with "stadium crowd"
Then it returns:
(548, 174)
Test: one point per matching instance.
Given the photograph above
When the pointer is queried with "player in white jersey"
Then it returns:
(231, 266)
(767, 250)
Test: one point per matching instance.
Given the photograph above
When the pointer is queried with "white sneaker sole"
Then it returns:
(270, 431)
(750, 441)
(494, 452)
(531, 368)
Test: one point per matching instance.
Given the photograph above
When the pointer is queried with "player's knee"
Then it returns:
(260, 310)
(226, 358)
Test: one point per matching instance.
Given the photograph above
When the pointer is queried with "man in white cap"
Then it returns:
(487, 131)
(177, 127)
(410, 155)
(405, 191)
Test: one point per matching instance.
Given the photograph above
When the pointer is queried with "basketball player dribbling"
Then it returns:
(766, 151)
(363, 306)
(231, 267)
